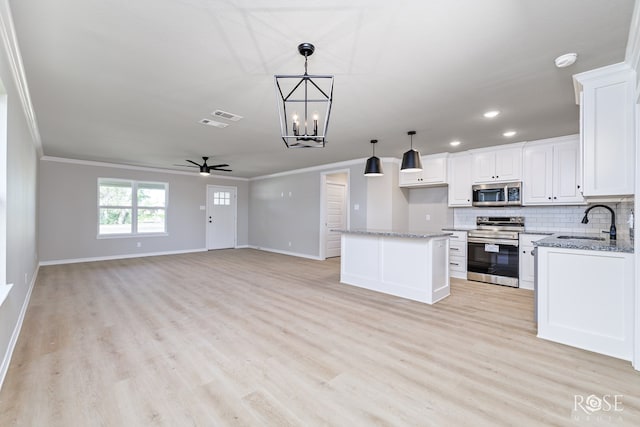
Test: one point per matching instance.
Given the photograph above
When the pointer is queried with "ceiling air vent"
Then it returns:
(213, 123)
(226, 115)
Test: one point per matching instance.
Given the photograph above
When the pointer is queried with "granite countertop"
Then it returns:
(458, 228)
(619, 245)
(388, 233)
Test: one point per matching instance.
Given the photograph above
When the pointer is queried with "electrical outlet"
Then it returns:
(356, 207)
(427, 217)
(139, 244)
(289, 244)
(25, 278)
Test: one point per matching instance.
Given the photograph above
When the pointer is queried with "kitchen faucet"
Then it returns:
(612, 230)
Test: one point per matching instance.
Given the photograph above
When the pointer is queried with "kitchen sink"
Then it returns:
(580, 237)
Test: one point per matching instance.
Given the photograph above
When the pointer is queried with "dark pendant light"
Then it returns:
(411, 159)
(304, 105)
(374, 166)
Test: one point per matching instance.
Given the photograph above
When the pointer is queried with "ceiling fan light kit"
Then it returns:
(205, 169)
(411, 159)
(304, 105)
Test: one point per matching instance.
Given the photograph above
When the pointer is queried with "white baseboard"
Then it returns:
(6, 360)
(278, 251)
(242, 247)
(109, 258)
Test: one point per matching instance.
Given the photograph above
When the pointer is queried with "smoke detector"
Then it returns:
(566, 60)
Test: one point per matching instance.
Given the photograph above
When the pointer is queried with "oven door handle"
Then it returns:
(493, 241)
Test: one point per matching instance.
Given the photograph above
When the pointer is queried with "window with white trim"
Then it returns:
(129, 208)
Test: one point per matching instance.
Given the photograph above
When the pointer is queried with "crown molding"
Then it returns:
(136, 168)
(8, 35)
(323, 167)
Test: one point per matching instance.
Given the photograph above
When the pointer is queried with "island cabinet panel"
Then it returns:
(585, 299)
(412, 268)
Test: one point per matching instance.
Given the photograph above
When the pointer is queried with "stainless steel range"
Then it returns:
(492, 250)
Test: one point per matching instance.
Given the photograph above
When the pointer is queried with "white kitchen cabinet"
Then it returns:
(458, 254)
(497, 165)
(551, 172)
(607, 129)
(526, 259)
(434, 172)
(586, 299)
(459, 177)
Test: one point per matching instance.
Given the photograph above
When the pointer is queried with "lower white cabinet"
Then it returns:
(527, 265)
(458, 254)
(586, 299)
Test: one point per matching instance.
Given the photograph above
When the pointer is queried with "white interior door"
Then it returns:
(336, 217)
(221, 217)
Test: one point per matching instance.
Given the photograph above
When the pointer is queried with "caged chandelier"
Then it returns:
(304, 105)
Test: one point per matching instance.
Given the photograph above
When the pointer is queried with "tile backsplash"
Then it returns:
(554, 218)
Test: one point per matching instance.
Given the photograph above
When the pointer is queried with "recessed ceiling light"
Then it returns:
(491, 114)
(566, 60)
(509, 133)
(454, 143)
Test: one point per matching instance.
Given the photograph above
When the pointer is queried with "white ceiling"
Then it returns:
(126, 81)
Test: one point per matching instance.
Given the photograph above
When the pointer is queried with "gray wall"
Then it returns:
(22, 170)
(286, 208)
(387, 204)
(430, 201)
(68, 212)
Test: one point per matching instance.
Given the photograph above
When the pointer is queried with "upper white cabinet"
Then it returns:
(434, 172)
(551, 172)
(607, 130)
(460, 179)
(495, 165)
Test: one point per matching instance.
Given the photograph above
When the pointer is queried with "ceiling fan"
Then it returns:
(206, 169)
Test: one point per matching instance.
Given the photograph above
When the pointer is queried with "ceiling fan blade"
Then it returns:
(187, 166)
(218, 169)
(218, 166)
(191, 161)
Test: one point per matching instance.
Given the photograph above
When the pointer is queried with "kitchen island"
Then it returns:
(405, 264)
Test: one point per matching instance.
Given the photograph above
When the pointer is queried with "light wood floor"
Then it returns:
(243, 337)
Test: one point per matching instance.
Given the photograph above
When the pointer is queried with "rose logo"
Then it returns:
(593, 403)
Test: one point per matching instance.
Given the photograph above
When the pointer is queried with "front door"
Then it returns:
(221, 217)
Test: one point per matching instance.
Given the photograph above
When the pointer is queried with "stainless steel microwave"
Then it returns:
(499, 194)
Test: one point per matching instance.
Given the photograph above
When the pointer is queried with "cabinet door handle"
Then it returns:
(554, 197)
(455, 249)
(549, 197)
(454, 263)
